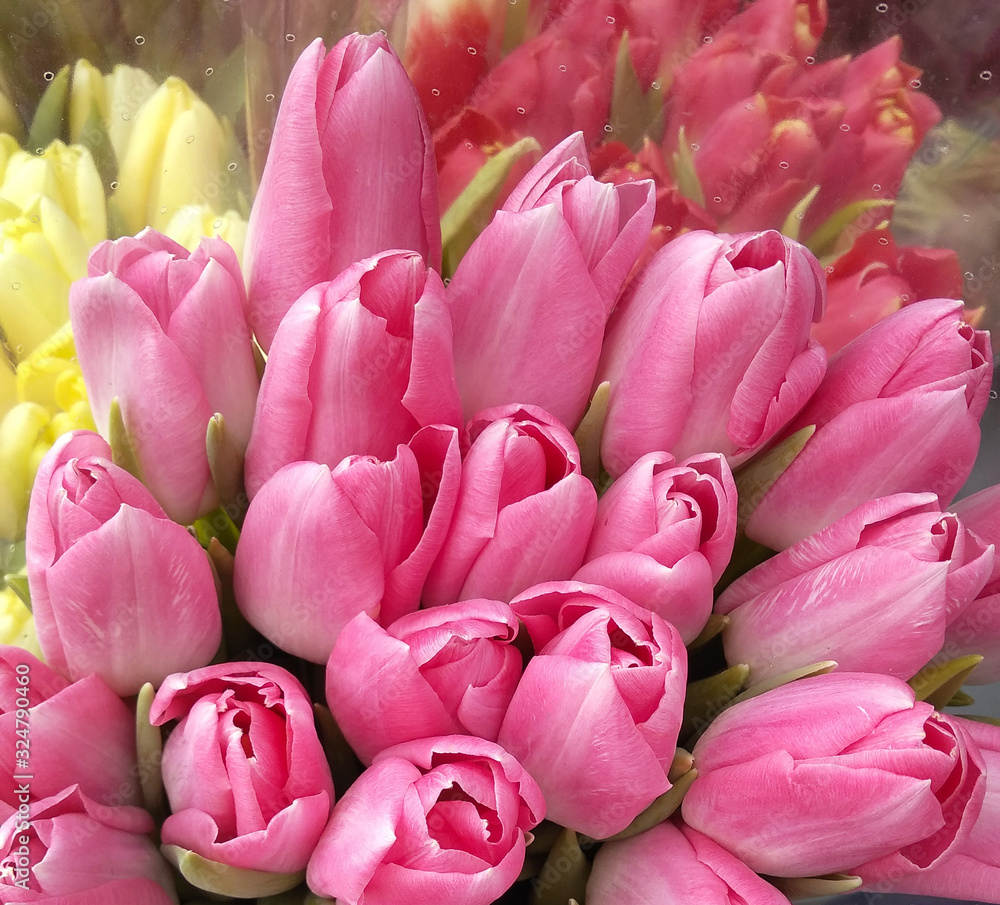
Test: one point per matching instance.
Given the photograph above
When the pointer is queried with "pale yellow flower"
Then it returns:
(17, 625)
(175, 157)
(191, 223)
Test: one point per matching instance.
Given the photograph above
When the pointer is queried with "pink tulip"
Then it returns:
(875, 591)
(674, 863)
(433, 820)
(532, 295)
(734, 314)
(898, 412)
(664, 534)
(609, 677)
(321, 545)
(117, 588)
(357, 367)
(977, 628)
(972, 871)
(350, 173)
(165, 333)
(72, 849)
(448, 670)
(874, 278)
(248, 782)
(80, 733)
(524, 510)
(849, 771)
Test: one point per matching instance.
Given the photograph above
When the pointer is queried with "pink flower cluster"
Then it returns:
(496, 642)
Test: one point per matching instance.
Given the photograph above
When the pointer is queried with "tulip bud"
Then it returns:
(734, 312)
(191, 223)
(175, 156)
(898, 412)
(852, 774)
(524, 510)
(164, 332)
(874, 591)
(333, 192)
(358, 365)
(372, 513)
(117, 588)
(610, 677)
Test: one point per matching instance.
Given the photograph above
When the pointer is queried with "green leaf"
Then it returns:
(823, 241)
(225, 880)
(685, 174)
(793, 222)
(472, 210)
(793, 675)
(588, 434)
(707, 698)
(660, 809)
(50, 116)
(122, 450)
(634, 113)
(19, 585)
(937, 682)
(758, 475)
(564, 874)
(149, 750)
(225, 462)
(808, 887)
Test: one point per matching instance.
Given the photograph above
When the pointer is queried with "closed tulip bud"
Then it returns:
(194, 221)
(175, 156)
(571, 242)
(898, 412)
(358, 365)
(874, 591)
(852, 775)
(164, 332)
(117, 587)
(341, 190)
(734, 312)
(82, 853)
(524, 510)
(451, 670)
(610, 678)
(663, 536)
(246, 728)
(372, 514)
(674, 863)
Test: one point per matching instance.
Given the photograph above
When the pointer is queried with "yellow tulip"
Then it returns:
(115, 98)
(8, 384)
(191, 223)
(17, 625)
(65, 175)
(42, 251)
(175, 157)
(22, 432)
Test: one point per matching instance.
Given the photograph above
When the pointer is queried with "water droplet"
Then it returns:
(289, 38)
(126, 117)
(562, 68)
(882, 240)
(969, 275)
(447, 280)
(520, 110)
(472, 51)
(914, 83)
(668, 229)
(209, 71)
(810, 60)
(383, 32)
(436, 92)
(608, 128)
(610, 20)
(966, 217)
(114, 185)
(512, 2)
(986, 75)
(39, 150)
(876, 187)
(15, 285)
(34, 218)
(717, 199)
(707, 39)
(828, 268)
(881, 7)
(232, 166)
(49, 76)
(844, 127)
(993, 394)
(695, 146)
(904, 297)
(656, 86)
(189, 139)
(749, 106)
(20, 347)
(163, 209)
(469, 146)
(783, 164)
(269, 97)
(217, 224)
(799, 215)
(139, 39)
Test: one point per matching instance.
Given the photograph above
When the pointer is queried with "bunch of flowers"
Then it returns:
(542, 554)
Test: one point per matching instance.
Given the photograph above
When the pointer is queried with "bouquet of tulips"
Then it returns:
(551, 501)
